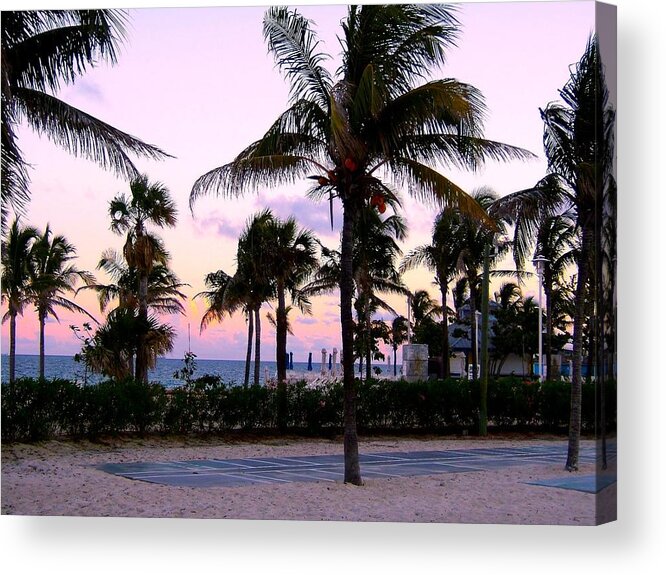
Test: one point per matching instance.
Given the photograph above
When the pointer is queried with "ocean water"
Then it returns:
(61, 366)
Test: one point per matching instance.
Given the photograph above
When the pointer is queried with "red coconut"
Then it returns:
(322, 181)
(381, 208)
(350, 165)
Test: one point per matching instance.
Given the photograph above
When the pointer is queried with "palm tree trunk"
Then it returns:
(395, 359)
(446, 364)
(576, 376)
(248, 355)
(12, 348)
(141, 371)
(281, 333)
(281, 344)
(42, 323)
(352, 465)
(257, 344)
(368, 339)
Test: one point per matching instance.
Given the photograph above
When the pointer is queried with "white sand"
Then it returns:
(58, 478)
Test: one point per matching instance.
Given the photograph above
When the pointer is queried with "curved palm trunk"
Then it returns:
(446, 367)
(248, 354)
(352, 466)
(12, 348)
(257, 344)
(576, 377)
(42, 324)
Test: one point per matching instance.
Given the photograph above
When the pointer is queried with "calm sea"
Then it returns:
(61, 366)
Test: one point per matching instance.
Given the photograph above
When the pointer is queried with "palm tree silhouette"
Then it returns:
(381, 117)
(225, 295)
(399, 333)
(16, 275)
(579, 147)
(163, 293)
(374, 254)
(473, 247)
(291, 258)
(147, 203)
(556, 242)
(53, 276)
(441, 256)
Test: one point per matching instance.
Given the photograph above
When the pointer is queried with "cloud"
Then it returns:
(90, 91)
(314, 216)
(220, 225)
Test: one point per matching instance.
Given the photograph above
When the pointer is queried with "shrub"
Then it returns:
(38, 409)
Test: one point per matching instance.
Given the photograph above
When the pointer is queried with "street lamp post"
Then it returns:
(539, 262)
(409, 318)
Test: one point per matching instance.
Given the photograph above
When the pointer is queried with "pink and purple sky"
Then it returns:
(199, 83)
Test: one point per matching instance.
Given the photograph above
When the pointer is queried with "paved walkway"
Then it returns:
(329, 468)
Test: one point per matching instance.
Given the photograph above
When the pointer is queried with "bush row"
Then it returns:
(37, 409)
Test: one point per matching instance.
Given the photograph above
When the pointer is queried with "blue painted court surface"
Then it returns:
(329, 468)
(585, 483)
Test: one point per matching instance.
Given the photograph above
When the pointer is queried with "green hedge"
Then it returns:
(38, 409)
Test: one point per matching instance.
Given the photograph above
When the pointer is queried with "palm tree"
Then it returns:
(399, 331)
(441, 256)
(227, 294)
(375, 252)
(291, 260)
(148, 203)
(473, 252)
(124, 336)
(164, 295)
(556, 242)
(252, 271)
(248, 289)
(507, 334)
(16, 275)
(53, 276)
(579, 147)
(41, 51)
(423, 307)
(379, 117)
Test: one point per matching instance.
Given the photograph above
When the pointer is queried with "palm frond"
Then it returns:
(62, 45)
(419, 256)
(290, 38)
(82, 134)
(251, 173)
(429, 186)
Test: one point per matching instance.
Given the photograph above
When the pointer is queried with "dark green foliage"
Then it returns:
(35, 410)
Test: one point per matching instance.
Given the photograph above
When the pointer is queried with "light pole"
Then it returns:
(409, 318)
(539, 262)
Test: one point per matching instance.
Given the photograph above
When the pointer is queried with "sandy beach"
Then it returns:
(59, 478)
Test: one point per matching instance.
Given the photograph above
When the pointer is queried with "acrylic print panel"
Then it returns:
(332, 274)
